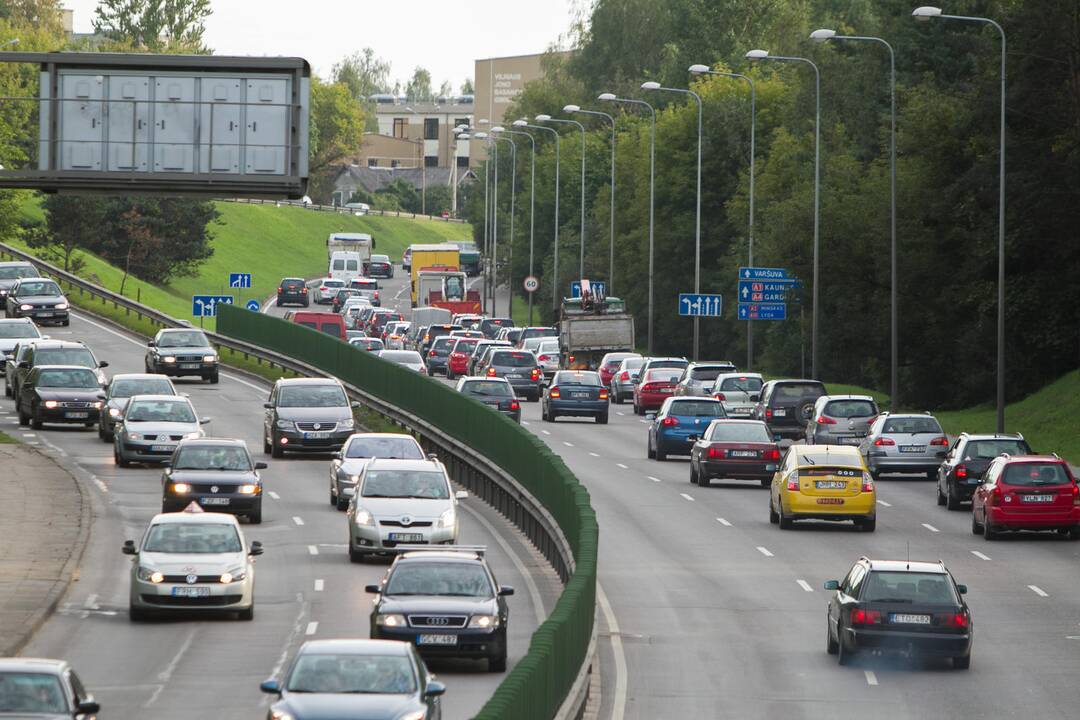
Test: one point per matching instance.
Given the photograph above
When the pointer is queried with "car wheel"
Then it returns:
(449, 375)
(246, 613)
(976, 528)
(136, 615)
(843, 655)
(35, 422)
(615, 397)
(333, 498)
(342, 503)
(704, 480)
(868, 525)
(255, 516)
(7, 388)
(497, 664)
(989, 533)
(661, 454)
(766, 483)
(774, 517)
(214, 378)
(649, 452)
(355, 555)
(66, 323)
(24, 419)
(962, 663)
(267, 446)
(931, 475)
(952, 502)
(941, 499)
(693, 475)
(602, 419)
(122, 461)
(831, 646)
(276, 450)
(784, 521)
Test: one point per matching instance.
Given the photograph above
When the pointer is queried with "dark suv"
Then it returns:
(967, 461)
(786, 406)
(293, 291)
(517, 366)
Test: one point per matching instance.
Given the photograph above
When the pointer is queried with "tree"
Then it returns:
(467, 87)
(337, 132)
(418, 88)
(43, 15)
(156, 25)
(446, 89)
(363, 73)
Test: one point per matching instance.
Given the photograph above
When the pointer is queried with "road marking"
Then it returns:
(654, 479)
(979, 555)
(882, 503)
(545, 432)
(723, 522)
(568, 444)
(871, 678)
(29, 435)
(620, 414)
(312, 550)
(293, 634)
(1038, 591)
(930, 527)
(298, 520)
(621, 466)
(764, 551)
(312, 627)
(805, 585)
(534, 591)
(618, 709)
(594, 454)
(526, 422)
(687, 497)
(319, 585)
(274, 495)
(165, 675)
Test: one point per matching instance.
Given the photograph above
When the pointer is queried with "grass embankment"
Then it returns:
(7, 439)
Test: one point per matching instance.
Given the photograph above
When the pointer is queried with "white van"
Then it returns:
(345, 266)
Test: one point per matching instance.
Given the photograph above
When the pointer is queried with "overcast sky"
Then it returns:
(441, 35)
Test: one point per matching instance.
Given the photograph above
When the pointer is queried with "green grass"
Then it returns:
(7, 439)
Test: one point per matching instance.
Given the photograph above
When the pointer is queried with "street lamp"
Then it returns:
(548, 118)
(825, 35)
(532, 201)
(487, 205)
(611, 260)
(706, 70)
(927, 13)
(697, 223)
(555, 268)
(497, 135)
(764, 55)
(611, 97)
(423, 164)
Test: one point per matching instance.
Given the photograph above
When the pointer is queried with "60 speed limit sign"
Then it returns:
(532, 284)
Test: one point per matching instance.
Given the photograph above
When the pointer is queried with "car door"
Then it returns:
(26, 387)
(269, 416)
(845, 597)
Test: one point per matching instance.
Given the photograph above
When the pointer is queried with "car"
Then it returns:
(967, 461)
(610, 363)
(479, 351)
(575, 393)
(511, 335)
(517, 366)
(178, 352)
(380, 266)
(739, 392)
(367, 287)
(395, 335)
(306, 415)
(192, 562)
(406, 259)
(153, 426)
(337, 303)
(350, 314)
(787, 405)
(344, 265)
(679, 424)
(1029, 492)
(12, 272)
(293, 291)
(473, 334)
(328, 322)
(414, 336)
(378, 320)
(446, 601)
(823, 482)
(407, 358)
(654, 363)
(457, 362)
(358, 449)
(732, 449)
(470, 321)
(497, 393)
(698, 378)
(491, 325)
(376, 679)
(18, 355)
(438, 354)
(532, 332)
(39, 299)
(899, 606)
(623, 379)
(548, 356)
(43, 689)
(401, 502)
(653, 387)
(432, 333)
(61, 394)
(54, 352)
(532, 344)
(368, 343)
(120, 390)
(12, 332)
(841, 419)
(217, 474)
(325, 290)
(904, 443)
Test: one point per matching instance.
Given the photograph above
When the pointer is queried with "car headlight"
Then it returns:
(24, 306)
(194, 435)
(235, 575)
(51, 404)
(181, 488)
(61, 306)
(168, 359)
(209, 358)
(484, 622)
(249, 489)
(352, 479)
(414, 715)
(149, 575)
(97, 404)
(363, 517)
(133, 436)
(448, 519)
(285, 424)
(346, 424)
(114, 412)
(391, 620)
(280, 715)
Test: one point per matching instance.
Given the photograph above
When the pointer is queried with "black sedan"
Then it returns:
(60, 394)
(218, 474)
(497, 393)
(37, 298)
(177, 351)
(380, 266)
(447, 602)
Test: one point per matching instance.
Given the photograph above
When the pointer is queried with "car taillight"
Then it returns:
(768, 413)
(718, 453)
(279, 291)
(514, 405)
(376, 295)
(431, 353)
(542, 358)
(535, 374)
(823, 420)
(865, 617)
(957, 620)
(995, 495)
(1076, 495)
(554, 392)
(961, 471)
(883, 441)
(867, 483)
(624, 375)
(793, 482)
(304, 290)
(669, 422)
(491, 372)
(571, 358)
(720, 396)
(648, 387)
(773, 454)
(942, 441)
(604, 394)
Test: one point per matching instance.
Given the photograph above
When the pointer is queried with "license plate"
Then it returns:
(740, 411)
(316, 435)
(850, 440)
(830, 501)
(912, 448)
(44, 313)
(779, 412)
(909, 619)
(213, 501)
(743, 453)
(666, 390)
(770, 468)
(582, 395)
(830, 484)
(514, 376)
(162, 448)
(189, 366)
(1037, 498)
(191, 592)
(406, 537)
(436, 639)
(77, 415)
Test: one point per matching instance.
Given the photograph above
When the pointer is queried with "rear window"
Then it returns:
(850, 408)
(908, 587)
(662, 375)
(331, 329)
(707, 373)
(632, 363)
(1035, 475)
(513, 359)
(292, 284)
(384, 447)
(668, 364)
(739, 432)
(487, 388)
(743, 384)
(990, 449)
(402, 356)
(64, 356)
(696, 408)
(797, 391)
(334, 283)
(831, 459)
(578, 378)
(912, 425)
(442, 343)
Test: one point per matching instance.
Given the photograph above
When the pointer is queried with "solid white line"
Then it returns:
(764, 551)
(268, 305)
(568, 444)
(1038, 591)
(274, 495)
(687, 497)
(546, 432)
(29, 435)
(882, 503)
(312, 550)
(622, 466)
(723, 522)
(979, 555)
(620, 414)
(805, 585)
(319, 585)
(871, 678)
(618, 708)
(526, 422)
(298, 520)
(165, 675)
(930, 527)
(312, 627)
(594, 454)
(654, 479)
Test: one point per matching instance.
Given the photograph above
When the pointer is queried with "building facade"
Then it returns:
(427, 127)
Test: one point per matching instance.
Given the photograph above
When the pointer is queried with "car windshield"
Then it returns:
(442, 343)
(440, 578)
(851, 408)
(122, 388)
(367, 343)
(212, 457)
(177, 411)
(38, 287)
(990, 449)
(743, 384)
(184, 538)
(797, 391)
(696, 408)
(425, 484)
(912, 425)
(487, 388)
(907, 587)
(14, 272)
(739, 432)
(333, 283)
(513, 359)
(64, 356)
(663, 375)
(185, 338)
(578, 378)
(464, 346)
(384, 447)
(32, 693)
(312, 396)
(402, 357)
(82, 379)
(18, 330)
(550, 346)
(352, 673)
(632, 363)
(1036, 474)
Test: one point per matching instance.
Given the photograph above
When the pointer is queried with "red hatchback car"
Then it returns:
(1030, 492)
(654, 387)
(457, 362)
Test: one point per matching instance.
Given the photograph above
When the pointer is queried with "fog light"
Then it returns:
(181, 488)
(284, 441)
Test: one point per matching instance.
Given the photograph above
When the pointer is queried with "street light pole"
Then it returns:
(764, 55)
(926, 13)
(532, 203)
(611, 97)
(547, 118)
(555, 265)
(513, 198)
(611, 259)
(697, 219)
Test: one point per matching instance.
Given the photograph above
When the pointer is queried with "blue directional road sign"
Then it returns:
(767, 291)
(239, 280)
(762, 311)
(700, 305)
(206, 305)
(762, 273)
(598, 286)
(253, 305)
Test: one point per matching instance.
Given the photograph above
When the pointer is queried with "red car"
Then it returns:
(610, 363)
(1028, 492)
(457, 363)
(654, 387)
(735, 450)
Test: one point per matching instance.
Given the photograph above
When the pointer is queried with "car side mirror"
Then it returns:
(461, 495)
(832, 584)
(650, 416)
(433, 456)
(151, 344)
(24, 365)
(373, 589)
(270, 686)
(268, 405)
(88, 707)
(962, 589)
(103, 364)
(505, 590)
(205, 420)
(755, 398)
(129, 548)
(356, 406)
(434, 689)
(261, 466)
(44, 337)
(256, 548)
(101, 396)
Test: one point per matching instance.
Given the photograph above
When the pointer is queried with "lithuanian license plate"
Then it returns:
(1037, 498)
(779, 412)
(830, 501)
(580, 395)
(850, 440)
(904, 619)
(740, 410)
(406, 537)
(830, 484)
(514, 376)
(191, 592)
(743, 453)
(213, 501)
(316, 435)
(162, 448)
(77, 415)
(44, 313)
(912, 448)
(189, 366)
(436, 639)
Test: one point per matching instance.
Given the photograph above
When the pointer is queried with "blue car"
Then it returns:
(679, 423)
(575, 393)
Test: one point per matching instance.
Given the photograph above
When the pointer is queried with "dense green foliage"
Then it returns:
(947, 98)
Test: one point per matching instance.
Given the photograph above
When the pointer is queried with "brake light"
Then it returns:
(793, 482)
(768, 413)
(1076, 495)
(940, 441)
(995, 495)
(720, 396)
(719, 453)
(648, 387)
(554, 392)
(604, 394)
(304, 290)
(961, 471)
(825, 421)
(865, 617)
(669, 422)
(535, 374)
(773, 454)
(867, 483)
(514, 405)
(376, 295)
(491, 372)
(624, 375)
(883, 441)
(542, 358)
(571, 358)
(279, 291)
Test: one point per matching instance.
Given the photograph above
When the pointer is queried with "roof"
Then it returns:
(355, 647)
(16, 263)
(796, 380)
(840, 451)
(387, 464)
(712, 363)
(32, 665)
(1031, 459)
(137, 376)
(846, 397)
(185, 518)
(227, 63)
(400, 436)
(923, 566)
(734, 421)
(309, 381)
(46, 344)
(424, 108)
(69, 367)
(992, 436)
(158, 397)
(213, 442)
(441, 556)
(434, 247)
(736, 373)
(16, 321)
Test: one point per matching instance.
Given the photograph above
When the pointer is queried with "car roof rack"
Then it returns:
(478, 550)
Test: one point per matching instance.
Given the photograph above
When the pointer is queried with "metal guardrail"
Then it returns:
(344, 210)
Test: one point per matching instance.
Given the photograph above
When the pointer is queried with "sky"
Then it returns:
(441, 35)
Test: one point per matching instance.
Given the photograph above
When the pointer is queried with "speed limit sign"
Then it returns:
(532, 284)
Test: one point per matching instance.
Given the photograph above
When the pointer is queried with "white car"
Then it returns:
(358, 450)
(737, 392)
(325, 291)
(395, 335)
(547, 355)
(152, 426)
(409, 358)
(192, 561)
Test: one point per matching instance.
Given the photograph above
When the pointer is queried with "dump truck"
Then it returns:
(588, 330)
(442, 257)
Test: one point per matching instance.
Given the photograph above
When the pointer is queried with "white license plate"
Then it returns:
(406, 537)
(44, 313)
(850, 440)
(912, 448)
(213, 501)
(191, 592)
(189, 366)
(162, 448)
(779, 412)
(316, 435)
(436, 639)
(909, 619)
(666, 390)
(740, 410)
(582, 395)
(514, 376)
(1037, 498)
(77, 415)
(743, 453)
(830, 484)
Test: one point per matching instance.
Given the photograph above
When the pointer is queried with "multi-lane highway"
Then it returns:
(305, 588)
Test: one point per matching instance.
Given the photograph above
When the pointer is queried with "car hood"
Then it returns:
(7, 345)
(434, 605)
(79, 394)
(185, 350)
(222, 477)
(192, 563)
(339, 706)
(416, 508)
(161, 428)
(314, 414)
(40, 299)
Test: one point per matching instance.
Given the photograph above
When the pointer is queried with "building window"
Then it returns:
(431, 161)
(372, 162)
(394, 163)
(463, 161)
(462, 121)
(401, 127)
(431, 128)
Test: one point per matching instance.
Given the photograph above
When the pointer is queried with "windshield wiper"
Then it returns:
(892, 600)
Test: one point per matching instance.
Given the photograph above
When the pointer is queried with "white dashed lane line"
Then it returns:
(274, 495)
(312, 550)
(930, 527)
(546, 432)
(764, 551)
(1038, 591)
(594, 454)
(654, 479)
(882, 503)
(687, 497)
(980, 555)
(298, 520)
(568, 444)
(871, 678)
(723, 522)
(805, 585)
(620, 465)
(319, 585)
(312, 627)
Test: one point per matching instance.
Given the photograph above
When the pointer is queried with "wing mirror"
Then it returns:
(461, 495)
(256, 548)
(268, 405)
(433, 456)
(962, 589)
(434, 689)
(151, 344)
(755, 398)
(373, 589)
(505, 590)
(103, 364)
(270, 686)
(205, 420)
(650, 416)
(88, 707)
(261, 466)
(129, 548)
(832, 584)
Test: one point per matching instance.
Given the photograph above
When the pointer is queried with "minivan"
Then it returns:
(329, 323)
(344, 265)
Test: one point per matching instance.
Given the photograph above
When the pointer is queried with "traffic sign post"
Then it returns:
(253, 305)
(764, 293)
(532, 284)
(762, 311)
(206, 305)
(598, 287)
(768, 291)
(240, 280)
(762, 273)
(700, 305)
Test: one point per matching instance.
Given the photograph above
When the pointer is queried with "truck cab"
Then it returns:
(590, 328)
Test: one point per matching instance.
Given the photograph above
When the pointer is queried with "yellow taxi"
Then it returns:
(823, 482)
